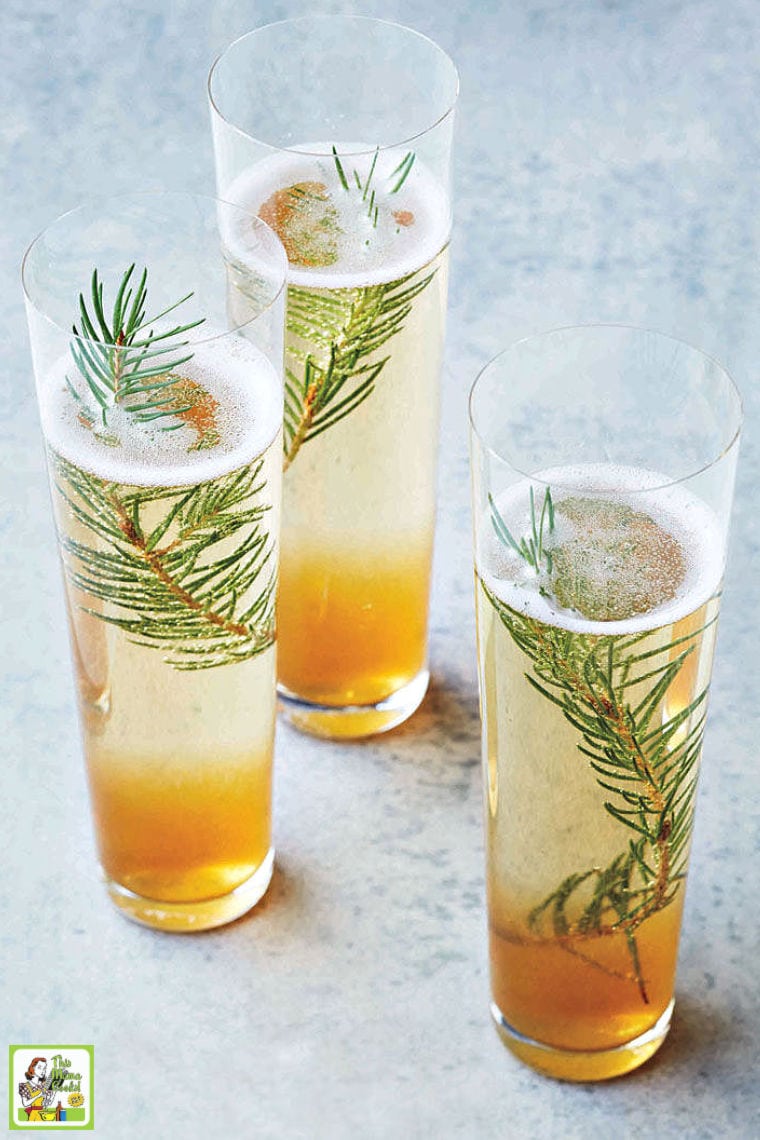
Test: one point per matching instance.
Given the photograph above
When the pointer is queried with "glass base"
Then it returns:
(350, 722)
(581, 1065)
(187, 917)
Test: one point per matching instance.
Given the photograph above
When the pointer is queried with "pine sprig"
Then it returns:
(342, 328)
(368, 192)
(613, 690)
(176, 583)
(122, 358)
(532, 550)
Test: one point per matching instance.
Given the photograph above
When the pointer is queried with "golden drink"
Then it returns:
(594, 672)
(364, 338)
(375, 612)
(169, 544)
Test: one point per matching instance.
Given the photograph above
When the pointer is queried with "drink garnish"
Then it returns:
(604, 560)
(126, 360)
(369, 193)
(533, 550)
(189, 571)
(336, 334)
(344, 330)
(643, 752)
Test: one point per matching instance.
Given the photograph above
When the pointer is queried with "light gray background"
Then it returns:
(606, 169)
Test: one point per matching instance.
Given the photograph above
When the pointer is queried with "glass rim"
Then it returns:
(731, 386)
(133, 195)
(335, 18)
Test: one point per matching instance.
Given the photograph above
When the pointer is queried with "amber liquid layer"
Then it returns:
(186, 824)
(358, 520)
(563, 984)
(353, 624)
(581, 993)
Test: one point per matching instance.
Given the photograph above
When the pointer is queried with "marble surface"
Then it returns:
(607, 169)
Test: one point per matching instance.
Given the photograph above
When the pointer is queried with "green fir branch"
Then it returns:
(633, 750)
(197, 583)
(365, 188)
(342, 328)
(532, 550)
(122, 358)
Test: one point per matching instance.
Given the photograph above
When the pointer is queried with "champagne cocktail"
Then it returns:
(597, 583)
(365, 222)
(163, 433)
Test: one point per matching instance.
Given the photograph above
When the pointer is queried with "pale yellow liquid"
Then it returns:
(179, 763)
(358, 520)
(546, 820)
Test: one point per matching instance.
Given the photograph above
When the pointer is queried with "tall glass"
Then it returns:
(603, 470)
(336, 130)
(162, 422)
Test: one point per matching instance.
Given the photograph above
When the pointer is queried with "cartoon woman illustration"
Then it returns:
(36, 1093)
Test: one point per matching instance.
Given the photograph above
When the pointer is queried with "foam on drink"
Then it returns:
(248, 413)
(412, 224)
(686, 522)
